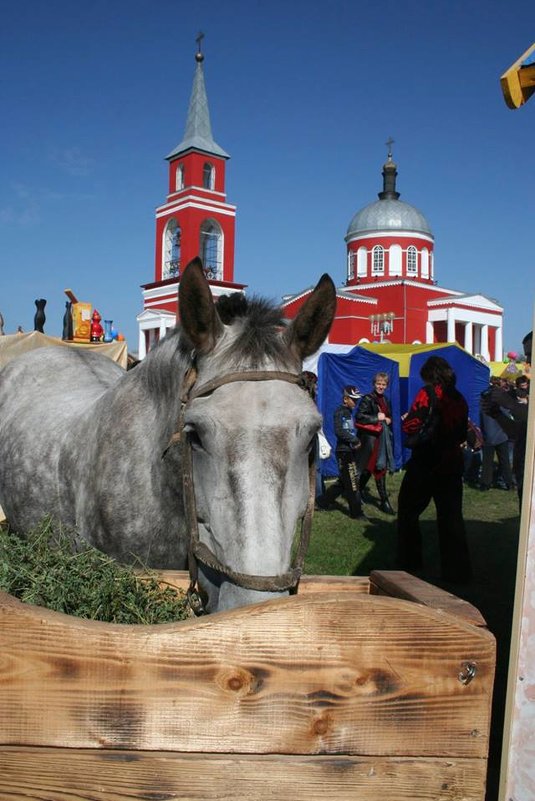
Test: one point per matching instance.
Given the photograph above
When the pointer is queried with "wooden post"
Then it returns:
(517, 777)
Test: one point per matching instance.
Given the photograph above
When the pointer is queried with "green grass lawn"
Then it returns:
(341, 546)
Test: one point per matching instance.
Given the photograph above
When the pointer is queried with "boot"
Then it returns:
(364, 478)
(384, 505)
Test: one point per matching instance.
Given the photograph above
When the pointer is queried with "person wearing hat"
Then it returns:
(347, 445)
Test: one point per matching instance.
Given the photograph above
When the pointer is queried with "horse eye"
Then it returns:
(193, 437)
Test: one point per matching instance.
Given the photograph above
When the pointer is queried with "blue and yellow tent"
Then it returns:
(403, 364)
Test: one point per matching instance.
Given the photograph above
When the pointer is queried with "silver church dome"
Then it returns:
(388, 214)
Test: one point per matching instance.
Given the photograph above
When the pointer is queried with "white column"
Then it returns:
(485, 342)
(498, 348)
(468, 338)
(142, 347)
(450, 336)
(429, 333)
(163, 329)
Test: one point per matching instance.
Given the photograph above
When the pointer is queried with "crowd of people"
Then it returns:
(494, 455)
(446, 451)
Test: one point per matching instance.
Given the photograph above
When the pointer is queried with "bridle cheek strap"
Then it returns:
(199, 551)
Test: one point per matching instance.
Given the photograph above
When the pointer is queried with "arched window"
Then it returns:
(378, 260)
(208, 173)
(171, 250)
(394, 261)
(351, 266)
(179, 177)
(425, 263)
(362, 262)
(211, 249)
(412, 264)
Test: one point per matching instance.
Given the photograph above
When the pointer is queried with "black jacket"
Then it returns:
(346, 435)
(368, 413)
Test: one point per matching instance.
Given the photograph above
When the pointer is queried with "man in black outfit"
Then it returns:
(435, 428)
(347, 445)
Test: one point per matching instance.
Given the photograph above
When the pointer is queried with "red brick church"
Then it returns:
(390, 292)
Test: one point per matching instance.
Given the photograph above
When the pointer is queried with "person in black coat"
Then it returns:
(373, 421)
(347, 446)
(435, 428)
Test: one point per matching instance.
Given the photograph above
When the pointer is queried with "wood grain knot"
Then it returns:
(239, 682)
(321, 725)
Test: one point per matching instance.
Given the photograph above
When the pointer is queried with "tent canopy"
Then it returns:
(335, 371)
(402, 354)
(13, 345)
(402, 363)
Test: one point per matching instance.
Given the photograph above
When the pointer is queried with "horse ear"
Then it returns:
(314, 319)
(196, 308)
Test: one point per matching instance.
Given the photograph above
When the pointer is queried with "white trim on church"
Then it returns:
(153, 326)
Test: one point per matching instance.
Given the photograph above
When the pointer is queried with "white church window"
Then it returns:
(171, 250)
(179, 177)
(211, 249)
(394, 261)
(208, 174)
(362, 262)
(351, 260)
(378, 260)
(425, 263)
(412, 263)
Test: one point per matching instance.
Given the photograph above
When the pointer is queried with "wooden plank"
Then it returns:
(518, 82)
(517, 775)
(326, 673)
(66, 774)
(398, 584)
(180, 580)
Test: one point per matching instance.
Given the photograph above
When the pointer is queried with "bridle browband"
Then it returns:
(198, 551)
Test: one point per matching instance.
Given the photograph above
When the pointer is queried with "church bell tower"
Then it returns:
(195, 219)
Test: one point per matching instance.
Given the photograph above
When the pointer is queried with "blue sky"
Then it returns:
(303, 96)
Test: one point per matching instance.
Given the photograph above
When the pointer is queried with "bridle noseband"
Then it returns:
(198, 551)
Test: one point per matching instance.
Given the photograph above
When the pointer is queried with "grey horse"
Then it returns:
(96, 448)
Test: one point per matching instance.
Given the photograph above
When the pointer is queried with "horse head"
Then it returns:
(250, 441)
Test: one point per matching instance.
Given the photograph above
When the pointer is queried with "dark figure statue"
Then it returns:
(67, 322)
(39, 319)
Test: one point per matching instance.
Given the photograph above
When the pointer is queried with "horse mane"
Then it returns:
(252, 338)
(255, 324)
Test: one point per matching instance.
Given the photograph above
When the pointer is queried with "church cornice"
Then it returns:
(195, 191)
(340, 293)
(474, 301)
(168, 285)
(389, 234)
(189, 203)
(430, 287)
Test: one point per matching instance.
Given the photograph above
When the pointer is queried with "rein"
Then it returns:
(199, 551)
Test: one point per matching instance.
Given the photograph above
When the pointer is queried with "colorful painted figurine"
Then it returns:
(96, 328)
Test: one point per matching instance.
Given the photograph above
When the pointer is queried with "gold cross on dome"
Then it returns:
(389, 142)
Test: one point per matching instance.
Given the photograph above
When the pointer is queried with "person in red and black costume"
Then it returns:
(373, 421)
(435, 428)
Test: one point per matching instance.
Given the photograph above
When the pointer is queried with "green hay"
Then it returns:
(47, 569)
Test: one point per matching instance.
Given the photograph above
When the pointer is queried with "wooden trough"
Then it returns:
(340, 692)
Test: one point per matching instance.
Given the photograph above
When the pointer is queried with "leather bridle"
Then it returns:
(198, 551)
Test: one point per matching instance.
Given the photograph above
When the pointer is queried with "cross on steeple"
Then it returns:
(389, 142)
(198, 39)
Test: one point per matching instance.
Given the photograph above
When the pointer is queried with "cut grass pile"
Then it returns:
(47, 570)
